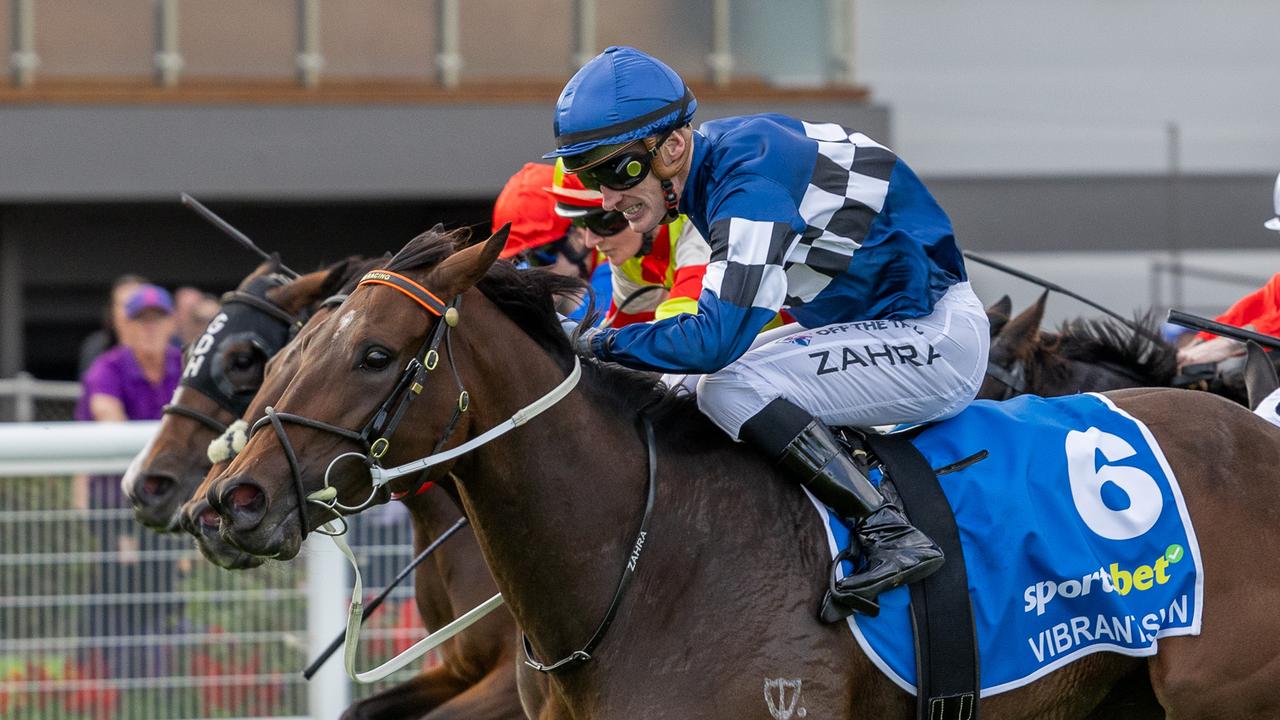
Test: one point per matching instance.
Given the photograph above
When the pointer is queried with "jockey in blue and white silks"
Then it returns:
(815, 220)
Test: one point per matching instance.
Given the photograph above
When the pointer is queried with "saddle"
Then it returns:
(948, 679)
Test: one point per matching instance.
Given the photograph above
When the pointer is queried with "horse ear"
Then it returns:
(1260, 378)
(1025, 328)
(998, 314)
(464, 268)
(268, 266)
(301, 292)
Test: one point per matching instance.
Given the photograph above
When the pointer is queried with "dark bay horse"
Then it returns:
(476, 678)
(222, 372)
(1083, 355)
(732, 568)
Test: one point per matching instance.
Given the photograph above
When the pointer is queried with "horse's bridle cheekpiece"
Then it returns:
(375, 436)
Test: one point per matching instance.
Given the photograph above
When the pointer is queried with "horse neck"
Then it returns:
(556, 503)
(452, 580)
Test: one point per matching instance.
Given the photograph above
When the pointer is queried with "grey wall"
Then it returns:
(456, 150)
(1082, 87)
(1108, 213)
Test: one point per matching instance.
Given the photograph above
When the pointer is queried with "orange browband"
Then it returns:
(412, 289)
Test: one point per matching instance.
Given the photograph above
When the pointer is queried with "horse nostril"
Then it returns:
(245, 504)
(209, 520)
(156, 486)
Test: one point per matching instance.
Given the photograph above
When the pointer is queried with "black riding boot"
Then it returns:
(895, 552)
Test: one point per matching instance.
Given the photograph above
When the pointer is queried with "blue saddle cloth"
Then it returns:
(1075, 534)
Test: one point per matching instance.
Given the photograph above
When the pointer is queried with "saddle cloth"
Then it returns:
(1075, 535)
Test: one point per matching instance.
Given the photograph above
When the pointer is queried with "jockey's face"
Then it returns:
(642, 205)
(618, 248)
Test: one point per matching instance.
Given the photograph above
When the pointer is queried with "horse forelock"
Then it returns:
(428, 249)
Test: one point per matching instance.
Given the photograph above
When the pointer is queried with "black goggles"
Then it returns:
(605, 224)
(622, 170)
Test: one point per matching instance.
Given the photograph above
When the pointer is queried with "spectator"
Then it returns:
(1259, 311)
(131, 381)
(134, 379)
(193, 308)
(107, 336)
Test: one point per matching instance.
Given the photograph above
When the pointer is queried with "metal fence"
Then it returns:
(100, 618)
(26, 399)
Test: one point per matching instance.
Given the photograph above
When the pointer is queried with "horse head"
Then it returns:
(224, 369)
(1012, 350)
(998, 314)
(359, 369)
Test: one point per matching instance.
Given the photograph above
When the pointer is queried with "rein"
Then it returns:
(383, 424)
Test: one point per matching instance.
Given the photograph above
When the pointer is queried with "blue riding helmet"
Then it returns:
(620, 96)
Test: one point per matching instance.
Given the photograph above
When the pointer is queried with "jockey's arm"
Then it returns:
(690, 256)
(743, 288)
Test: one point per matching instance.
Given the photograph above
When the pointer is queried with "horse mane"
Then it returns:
(528, 297)
(1107, 340)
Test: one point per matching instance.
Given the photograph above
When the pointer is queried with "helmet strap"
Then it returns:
(665, 171)
(671, 201)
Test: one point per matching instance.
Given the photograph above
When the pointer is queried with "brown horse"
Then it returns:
(476, 678)
(1083, 355)
(734, 563)
(224, 370)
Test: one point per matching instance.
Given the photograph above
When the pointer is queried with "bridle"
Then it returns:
(278, 328)
(1014, 377)
(374, 438)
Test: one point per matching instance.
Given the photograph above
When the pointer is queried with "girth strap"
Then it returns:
(947, 672)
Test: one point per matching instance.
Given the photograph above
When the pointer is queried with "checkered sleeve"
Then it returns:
(742, 289)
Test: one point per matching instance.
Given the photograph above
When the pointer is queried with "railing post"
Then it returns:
(310, 61)
(329, 691)
(720, 61)
(12, 298)
(840, 42)
(584, 17)
(168, 60)
(23, 61)
(448, 60)
(24, 402)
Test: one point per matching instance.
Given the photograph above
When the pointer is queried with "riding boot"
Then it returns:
(894, 551)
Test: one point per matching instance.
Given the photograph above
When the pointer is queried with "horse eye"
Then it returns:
(243, 361)
(376, 358)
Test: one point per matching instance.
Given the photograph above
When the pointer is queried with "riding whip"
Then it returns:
(227, 228)
(1056, 288)
(1195, 322)
(315, 665)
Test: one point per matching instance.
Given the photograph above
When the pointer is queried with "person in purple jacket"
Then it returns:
(134, 380)
(131, 381)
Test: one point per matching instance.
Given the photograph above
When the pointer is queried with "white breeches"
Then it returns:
(860, 374)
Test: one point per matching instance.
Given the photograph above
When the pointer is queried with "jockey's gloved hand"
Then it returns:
(588, 343)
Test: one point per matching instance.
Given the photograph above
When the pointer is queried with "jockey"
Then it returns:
(541, 238)
(670, 259)
(810, 217)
